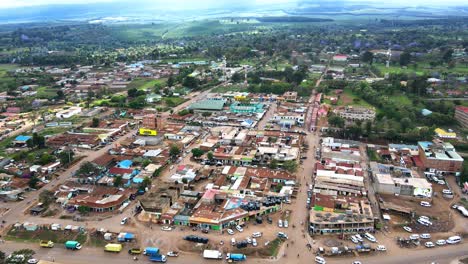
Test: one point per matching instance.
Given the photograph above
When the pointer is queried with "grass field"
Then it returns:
(146, 84)
(174, 101)
(46, 92)
(44, 234)
(231, 88)
(422, 68)
(349, 98)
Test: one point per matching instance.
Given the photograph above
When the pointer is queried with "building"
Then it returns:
(440, 157)
(354, 113)
(212, 104)
(67, 113)
(246, 108)
(290, 96)
(442, 133)
(340, 58)
(338, 215)
(152, 121)
(461, 115)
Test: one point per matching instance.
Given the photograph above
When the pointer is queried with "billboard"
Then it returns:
(148, 132)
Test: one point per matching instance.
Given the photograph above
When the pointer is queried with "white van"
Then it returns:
(453, 240)
(370, 237)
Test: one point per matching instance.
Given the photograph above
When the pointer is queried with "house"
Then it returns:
(461, 115)
(440, 157)
(340, 58)
(442, 133)
(354, 113)
(67, 113)
(290, 96)
(21, 140)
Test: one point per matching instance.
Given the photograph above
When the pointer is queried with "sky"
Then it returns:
(175, 4)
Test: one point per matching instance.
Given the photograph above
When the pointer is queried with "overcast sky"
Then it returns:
(174, 4)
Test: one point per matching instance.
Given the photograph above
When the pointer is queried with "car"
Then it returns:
(172, 254)
(230, 231)
(429, 244)
(282, 235)
(441, 242)
(280, 223)
(408, 229)
(32, 261)
(425, 204)
(239, 228)
(455, 206)
(359, 238)
(124, 221)
(267, 243)
(357, 262)
(447, 191)
(269, 220)
(257, 234)
(425, 236)
(285, 223)
(354, 240)
(166, 228)
(233, 241)
(381, 248)
(254, 242)
(424, 218)
(204, 231)
(414, 237)
(134, 251)
(249, 240)
(320, 260)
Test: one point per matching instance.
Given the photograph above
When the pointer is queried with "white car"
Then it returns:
(166, 228)
(424, 217)
(172, 254)
(381, 248)
(124, 221)
(359, 238)
(455, 206)
(230, 231)
(239, 228)
(280, 223)
(429, 244)
(285, 223)
(254, 242)
(249, 240)
(441, 242)
(425, 204)
(414, 237)
(354, 240)
(32, 261)
(446, 191)
(257, 234)
(320, 260)
(425, 236)
(408, 229)
(357, 262)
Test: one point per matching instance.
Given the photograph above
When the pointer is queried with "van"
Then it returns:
(453, 240)
(370, 237)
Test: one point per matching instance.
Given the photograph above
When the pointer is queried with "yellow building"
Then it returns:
(442, 133)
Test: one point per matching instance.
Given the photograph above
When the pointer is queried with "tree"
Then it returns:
(236, 77)
(405, 58)
(405, 123)
(190, 82)
(46, 197)
(46, 158)
(118, 181)
(83, 209)
(145, 183)
(87, 168)
(33, 181)
(60, 94)
(66, 157)
(210, 155)
(368, 127)
(138, 102)
(196, 152)
(290, 165)
(30, 143)
(95, 122)
(367, 57)
(2, 257)
(170, 81)
(174, 151)
(273, 164)
(336, 121)
(38, 140)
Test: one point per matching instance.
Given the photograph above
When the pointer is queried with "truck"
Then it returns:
(235, 257)
(151, 251)
(212, 254)
(158, 258)
(46, 244)
(113, 248)
(73, 245)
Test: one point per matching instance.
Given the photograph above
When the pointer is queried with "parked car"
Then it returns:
(230, 231)
(354, 240)
(282, 235)
(425, 236)
(269, 220)
(166, 228)
(285, 223)
(124, 221)
(172, 254)
(254, 242)
(455, 206)
(32, 261)
(381, 248)
(280, 223)
(453, 240)
(446, 191)
(408, 229)
(429, 244)
(414, 237)
(359, 238)
(233, 241)
(357, 262)
(441, 242)
(425, 204)
(239, 228)
(320, 260)
(249, 240)
(257, 234)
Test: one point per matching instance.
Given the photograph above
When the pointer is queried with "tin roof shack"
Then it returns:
(440, 157)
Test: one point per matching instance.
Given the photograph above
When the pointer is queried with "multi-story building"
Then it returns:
(152, 121)
(440, 157)
(461, 115)
(354, 113)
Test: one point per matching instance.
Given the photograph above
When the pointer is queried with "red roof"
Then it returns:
(120, 171)
(462, 108)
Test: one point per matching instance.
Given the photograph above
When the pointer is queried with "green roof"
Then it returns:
(208, 105)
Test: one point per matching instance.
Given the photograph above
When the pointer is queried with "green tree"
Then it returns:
(405, 58)
(290, 165)
(367, 57)
(145, 183)
(87, 168)
(33, 181)
(46, 197)
(2, 257)
(405, 123)
(236, 77)
(196, 152)
(336, 121)
(95, 122)
(83, 209)
(46, 158)
(273, 164)
(368, 127)
(118, 181)
(190, 82)
(170, 81)
(38, 140)
(174, 151)
(210, 155)
(66, 157)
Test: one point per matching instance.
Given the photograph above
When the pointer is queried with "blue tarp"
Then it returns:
(125, 164)
(23, 138)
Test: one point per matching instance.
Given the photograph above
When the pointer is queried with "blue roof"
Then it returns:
(426, 112)
(23, 138)
(125, 164)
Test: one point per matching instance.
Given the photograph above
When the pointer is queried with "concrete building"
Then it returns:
(354, 113)
(440, 158)
(461, 115)
(152, 121)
